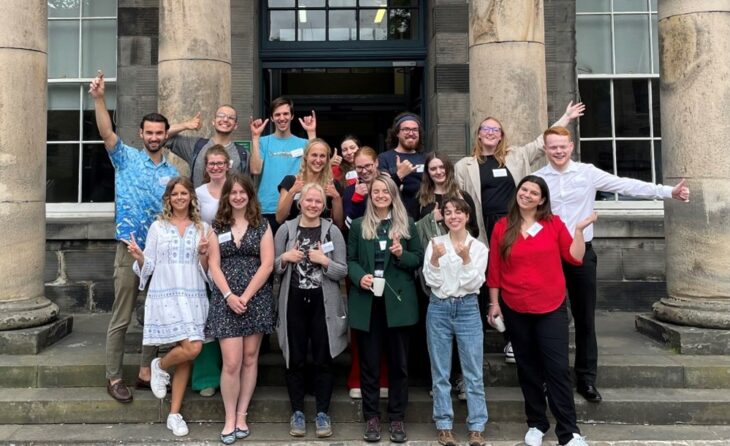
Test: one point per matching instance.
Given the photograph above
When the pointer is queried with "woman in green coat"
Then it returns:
(382, 246)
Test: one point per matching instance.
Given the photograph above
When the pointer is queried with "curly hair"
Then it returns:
(224, 216)
(193, 207)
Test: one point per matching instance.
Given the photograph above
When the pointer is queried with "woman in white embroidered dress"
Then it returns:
(175, 257)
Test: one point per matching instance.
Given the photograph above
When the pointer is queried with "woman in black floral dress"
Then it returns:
(242, 306)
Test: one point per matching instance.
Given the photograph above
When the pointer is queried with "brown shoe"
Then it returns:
(476, 439)
(119, 391)
(142, 384)
(446, 437)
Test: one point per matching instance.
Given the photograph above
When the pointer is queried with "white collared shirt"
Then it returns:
(452, 278)
(573, 191)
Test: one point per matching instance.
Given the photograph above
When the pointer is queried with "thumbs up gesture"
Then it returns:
(437, 251)
(681, 191)
(462, 250)
(403, 168)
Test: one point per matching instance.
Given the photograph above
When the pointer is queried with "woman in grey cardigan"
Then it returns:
(311, 259)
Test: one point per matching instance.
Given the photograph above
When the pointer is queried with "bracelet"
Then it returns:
(225, 296)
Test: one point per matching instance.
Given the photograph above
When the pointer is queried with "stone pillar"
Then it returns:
(23, 80)
(507, 66)
(695, 93)
(194, 66)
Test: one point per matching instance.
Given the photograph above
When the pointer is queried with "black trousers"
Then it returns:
(540, 343)
(394, 341)
(581, 284)
(305, 322)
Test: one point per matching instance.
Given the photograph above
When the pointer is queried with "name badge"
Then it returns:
(498, 173)
(296, 153)
(383, 244)
(164, 180)
(225, 237)
(328, 247)
(351, 175)
(419, 168)
(534, 229)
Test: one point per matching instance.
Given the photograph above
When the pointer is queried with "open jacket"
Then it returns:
(334, 305)
(401, 303)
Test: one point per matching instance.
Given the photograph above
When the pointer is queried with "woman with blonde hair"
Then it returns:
(315, 168)
(175, 261)
(383, 251)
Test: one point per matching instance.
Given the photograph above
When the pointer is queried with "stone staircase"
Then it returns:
(641, 382)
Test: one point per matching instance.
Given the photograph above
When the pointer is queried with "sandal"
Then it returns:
(229, 438)
(242, 433)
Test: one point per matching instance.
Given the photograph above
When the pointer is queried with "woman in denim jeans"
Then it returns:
(454, 267)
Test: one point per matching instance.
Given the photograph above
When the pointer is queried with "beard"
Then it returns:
(408, 143)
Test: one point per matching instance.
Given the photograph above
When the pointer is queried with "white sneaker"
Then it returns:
(460, 389)
(509, 354)
(208, 392)
(577, 441)
(533, 437)
(383, 392)
(177, 425)
(159, 380)
(355, 393)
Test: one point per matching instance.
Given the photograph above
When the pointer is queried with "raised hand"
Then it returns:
(96, 88)
(331, 190)
(134, 249)
(203, 245)
(336, 159)
(681, 191)
(437, 213)
(437, 251)
(193, 123)
(309, 123)
(396, 248)
(462, 250)
(403, 168)
(581, 225)
(297, 186)
(573, 111)
(257, 126)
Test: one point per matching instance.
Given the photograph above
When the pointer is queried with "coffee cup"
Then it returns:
(378, 286)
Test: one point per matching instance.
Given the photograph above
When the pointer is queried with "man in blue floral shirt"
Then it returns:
(140, 180)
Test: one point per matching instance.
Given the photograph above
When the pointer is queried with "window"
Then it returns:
(342, 20)
(82, 37)
(618, 80)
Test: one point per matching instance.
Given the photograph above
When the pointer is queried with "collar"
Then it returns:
(572, 167)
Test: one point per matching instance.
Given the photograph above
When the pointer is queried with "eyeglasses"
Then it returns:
(365, 167)
(217, 164)
(486, 129)
(226, 116)
(409, 129)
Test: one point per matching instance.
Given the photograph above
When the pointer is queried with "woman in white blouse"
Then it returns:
(454, 267)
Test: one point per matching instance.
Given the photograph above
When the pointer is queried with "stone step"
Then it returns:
(263, 434)
(83, 369)
(271, 404)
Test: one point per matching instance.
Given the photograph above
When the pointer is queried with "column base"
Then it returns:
(26, 313)
(683, 339)
(31, 341)
(695, 312)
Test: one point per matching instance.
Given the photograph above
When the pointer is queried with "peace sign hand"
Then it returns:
(134, 249)
(203, 245)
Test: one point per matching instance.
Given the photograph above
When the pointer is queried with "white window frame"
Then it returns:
(79, 208)
(615, 204)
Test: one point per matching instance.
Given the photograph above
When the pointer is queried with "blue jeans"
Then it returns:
(456, 317)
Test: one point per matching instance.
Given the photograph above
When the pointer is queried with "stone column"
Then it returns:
(23, 80)
(507, 66)
(194, 59)
(695, 93)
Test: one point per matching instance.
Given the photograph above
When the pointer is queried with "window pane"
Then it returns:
(593, 6)
(600, 154)
(63, 8)
(311, 26)
(373, 24)
(342, 3)
(281, 26)
(62, 173)
(593, 40)
(97, 177)
(63, 113)
(343, 25)
(403, 24)
(63, 97)
(373, 3)
(100, 8)
(99, 47)
(596, 95)
(629, 5)
(404, 3)
(631, 99)
(633, 159)
(658, 161)
(655, 43)
(63, 49)
(281, 3)
(653, 5)
(632, 43)
(656, 113)
(311, 3)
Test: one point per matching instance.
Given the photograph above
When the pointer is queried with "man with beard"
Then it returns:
(277, 155)
(405, 161)
(140, 179)
(192, 148)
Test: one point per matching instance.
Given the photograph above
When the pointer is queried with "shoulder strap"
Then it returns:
(199, 144)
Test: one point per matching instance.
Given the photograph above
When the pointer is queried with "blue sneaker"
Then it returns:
(324, 427)
(297, 425)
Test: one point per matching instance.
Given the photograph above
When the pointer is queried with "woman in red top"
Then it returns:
(525, 256)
